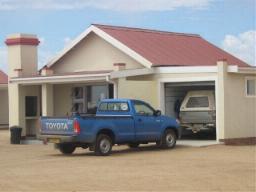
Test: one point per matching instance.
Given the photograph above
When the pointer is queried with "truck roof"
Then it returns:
(116, 100)
(120, 100)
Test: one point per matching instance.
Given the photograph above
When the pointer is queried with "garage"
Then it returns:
(175, 98)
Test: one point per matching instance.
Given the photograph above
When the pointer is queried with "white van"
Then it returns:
(198, 111)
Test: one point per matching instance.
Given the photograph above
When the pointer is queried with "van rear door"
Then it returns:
(197, 109)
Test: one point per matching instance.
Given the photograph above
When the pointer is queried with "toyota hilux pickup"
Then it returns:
(117, 121)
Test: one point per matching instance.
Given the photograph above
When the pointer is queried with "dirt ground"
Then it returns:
(41, 168)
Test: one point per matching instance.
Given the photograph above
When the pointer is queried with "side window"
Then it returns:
(251, 87)
(143, 109)
(197, 102)
(114, 106)
(103, 107)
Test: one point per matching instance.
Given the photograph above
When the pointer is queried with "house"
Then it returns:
(4, 112)
(120, 62)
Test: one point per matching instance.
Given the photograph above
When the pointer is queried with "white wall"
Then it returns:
(4, 112)
(240, 111)
(93, 54)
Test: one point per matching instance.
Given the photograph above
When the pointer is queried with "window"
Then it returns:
(85, 99)
(78, 107)
(143, 108)
(250, 87)
(114, 106)
(78, 94)
(31, 106)
(103, 107)
(95, 94)
(197, 102)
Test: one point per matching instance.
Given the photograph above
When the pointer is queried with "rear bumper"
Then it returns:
(61, 138)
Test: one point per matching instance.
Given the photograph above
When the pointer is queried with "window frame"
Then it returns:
(246, 90)
(146, 104)
(125, 111)
(208, 99)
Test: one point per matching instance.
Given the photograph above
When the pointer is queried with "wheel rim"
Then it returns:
(105, 145)
(170, 140)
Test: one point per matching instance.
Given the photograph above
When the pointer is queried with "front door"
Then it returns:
(147, 125)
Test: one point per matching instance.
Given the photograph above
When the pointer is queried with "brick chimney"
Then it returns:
(22, 55)
(119, 66)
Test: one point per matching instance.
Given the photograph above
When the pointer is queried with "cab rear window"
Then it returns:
(114, 106)
(197, 102)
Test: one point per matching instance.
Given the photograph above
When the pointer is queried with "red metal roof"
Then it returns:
(3, 78)
(170, 49)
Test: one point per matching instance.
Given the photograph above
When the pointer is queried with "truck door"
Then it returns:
(147, 125)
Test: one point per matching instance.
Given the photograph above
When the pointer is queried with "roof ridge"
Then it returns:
(146, 30)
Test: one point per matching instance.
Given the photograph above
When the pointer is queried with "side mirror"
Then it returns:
(157, 113)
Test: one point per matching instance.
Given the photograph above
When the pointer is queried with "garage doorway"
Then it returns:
(174, 94)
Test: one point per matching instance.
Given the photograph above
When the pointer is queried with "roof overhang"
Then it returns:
(60, 79)
(180, 70)
(106, 76)
(242, 70)
(107, 38)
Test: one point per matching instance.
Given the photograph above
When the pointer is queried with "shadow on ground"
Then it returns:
(116, 152)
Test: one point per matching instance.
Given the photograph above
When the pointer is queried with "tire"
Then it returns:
(168, 140)
(133, 145)
(103, 145)
(66, 149)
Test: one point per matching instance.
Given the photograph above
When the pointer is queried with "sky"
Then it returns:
(229, 24)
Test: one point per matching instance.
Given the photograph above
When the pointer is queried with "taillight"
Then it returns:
(77, 127)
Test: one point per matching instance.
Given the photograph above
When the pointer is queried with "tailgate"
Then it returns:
(57, 126)
(197, 116)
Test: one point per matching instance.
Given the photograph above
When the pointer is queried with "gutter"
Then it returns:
(60, 79)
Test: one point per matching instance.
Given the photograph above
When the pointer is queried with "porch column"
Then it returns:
(16, 106)
(221, 98)
(47, 100)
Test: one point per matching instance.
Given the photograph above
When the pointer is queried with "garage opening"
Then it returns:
(193, 103)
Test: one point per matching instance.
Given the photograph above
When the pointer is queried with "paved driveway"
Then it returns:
(41, 168)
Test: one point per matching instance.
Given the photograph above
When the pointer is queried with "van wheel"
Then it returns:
(103, 145)
(133, 145)
(66, 149)
(168, 140)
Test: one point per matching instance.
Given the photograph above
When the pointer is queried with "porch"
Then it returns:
(57, 95)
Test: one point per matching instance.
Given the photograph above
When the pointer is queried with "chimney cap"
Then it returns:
(119, 64)
(22, 39)
(223, 59)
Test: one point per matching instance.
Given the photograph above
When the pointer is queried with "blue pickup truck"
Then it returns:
(117, 121)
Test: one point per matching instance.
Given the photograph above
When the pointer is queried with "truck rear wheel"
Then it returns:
(168, 139)
(66, 148)
(103, 145)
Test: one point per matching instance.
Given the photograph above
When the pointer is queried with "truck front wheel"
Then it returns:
(103, 145)
(168, 139)
(66, 148)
